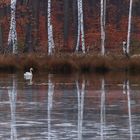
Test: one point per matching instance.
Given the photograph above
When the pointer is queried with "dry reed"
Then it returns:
(69, 63)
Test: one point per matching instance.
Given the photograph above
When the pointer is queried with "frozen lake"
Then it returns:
(70, 107)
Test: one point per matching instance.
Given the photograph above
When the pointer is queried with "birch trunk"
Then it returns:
(12, 37)
(82, 26)
(103, 21)
(50, 31)
(80, 35)
(129, 26)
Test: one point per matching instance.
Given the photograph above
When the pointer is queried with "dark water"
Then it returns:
(70, 107)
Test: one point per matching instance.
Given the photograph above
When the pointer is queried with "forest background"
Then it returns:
(31, 25)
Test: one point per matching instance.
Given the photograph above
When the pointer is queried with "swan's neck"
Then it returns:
(30, 71)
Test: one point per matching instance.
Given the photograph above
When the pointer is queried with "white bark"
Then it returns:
(80, 35)
(79, 30)
(103, 21)
(50, 31)
(129, 26)
(12, 37)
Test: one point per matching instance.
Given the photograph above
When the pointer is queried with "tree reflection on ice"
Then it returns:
(12, 91)
(126, 90)
(102, 108)
(80, 95)
(50, 104)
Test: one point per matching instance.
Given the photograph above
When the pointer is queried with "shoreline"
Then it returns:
(70, 63)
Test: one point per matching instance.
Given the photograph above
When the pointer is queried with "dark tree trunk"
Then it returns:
(1, 39)
(28, 35)
(75, 20)
(36, 13)
(28, 38)
(66, 22)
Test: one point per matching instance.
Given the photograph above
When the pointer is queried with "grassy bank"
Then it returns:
(69, 63)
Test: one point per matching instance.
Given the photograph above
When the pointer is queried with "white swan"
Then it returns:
(28, 75)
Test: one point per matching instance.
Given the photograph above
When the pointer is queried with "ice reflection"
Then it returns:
(106, 111)
(126, 90)
(50, 104)
(12, 91)
(80, 95)
(102, 113)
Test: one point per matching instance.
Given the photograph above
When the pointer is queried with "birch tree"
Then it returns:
(129, 26)
(50, 31)
(103, 21)
(12, 37)
(80, 35)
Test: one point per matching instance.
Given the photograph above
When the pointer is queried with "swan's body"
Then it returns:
(28, 75)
